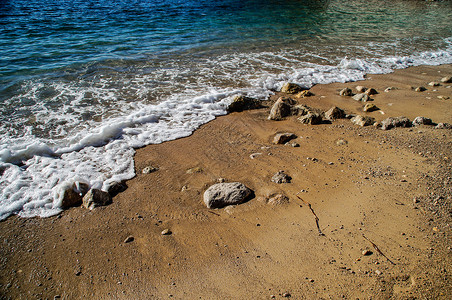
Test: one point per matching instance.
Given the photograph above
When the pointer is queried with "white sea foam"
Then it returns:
(39, 160)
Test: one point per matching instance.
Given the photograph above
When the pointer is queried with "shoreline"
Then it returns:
(369, 185)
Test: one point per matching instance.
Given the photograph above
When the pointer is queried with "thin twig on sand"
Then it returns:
(313, 212)
(378, 250)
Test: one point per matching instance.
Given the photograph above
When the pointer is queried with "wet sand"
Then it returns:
(391, 189)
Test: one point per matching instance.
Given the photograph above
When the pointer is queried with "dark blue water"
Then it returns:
(37, 36)
(89, 81)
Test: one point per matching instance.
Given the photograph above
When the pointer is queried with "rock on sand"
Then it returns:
(223, 194)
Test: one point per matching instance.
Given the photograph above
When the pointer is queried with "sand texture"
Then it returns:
(367, 186)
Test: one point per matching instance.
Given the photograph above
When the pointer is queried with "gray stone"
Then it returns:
(241, 103)
(420, 89)
(442, 97)
(361, 97)
(443, 126)
(367, 252)
(447, 79)
(346, 92)
(281, 109)
(362, 120)
(281, 177)
(434, 83)
(312, 118)
(95, 198)
(116, 188)
(422, 121)
(360, 89)
(166, 232)
(370, 92)
(282, 138)
(224, 194)
(369, 107)
(291, 88)
(390, 88)
(335, 113)
(129, 239)
(299, 110)
(395, 122)
(73, 195)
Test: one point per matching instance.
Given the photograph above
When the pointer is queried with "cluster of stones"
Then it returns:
(80, 193)
(447, 79)
(224, 194)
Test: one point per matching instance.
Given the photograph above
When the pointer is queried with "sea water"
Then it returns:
(83, 83)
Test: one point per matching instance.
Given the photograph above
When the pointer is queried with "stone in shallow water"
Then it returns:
(95, 198)
(223, 194)
(291, 88)
(73, 195)
(241, 103)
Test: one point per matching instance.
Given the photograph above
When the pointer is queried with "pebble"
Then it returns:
(149, 170)
(420, 89)
(129, 239)
(166, 232)
(367, 252)
(378, 272)
(286, 295)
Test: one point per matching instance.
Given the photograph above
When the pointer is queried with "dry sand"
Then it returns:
(364, 188)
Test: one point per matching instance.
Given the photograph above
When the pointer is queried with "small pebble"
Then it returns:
(166, 232)
(129, 239)
(378, 272)
(367, 252)
(286, 295)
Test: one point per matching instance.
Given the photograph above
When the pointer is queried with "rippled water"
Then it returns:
(83, 83)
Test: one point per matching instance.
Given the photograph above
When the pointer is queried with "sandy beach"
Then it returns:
(382, 198)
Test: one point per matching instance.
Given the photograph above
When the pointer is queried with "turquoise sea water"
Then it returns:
(83, 83)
